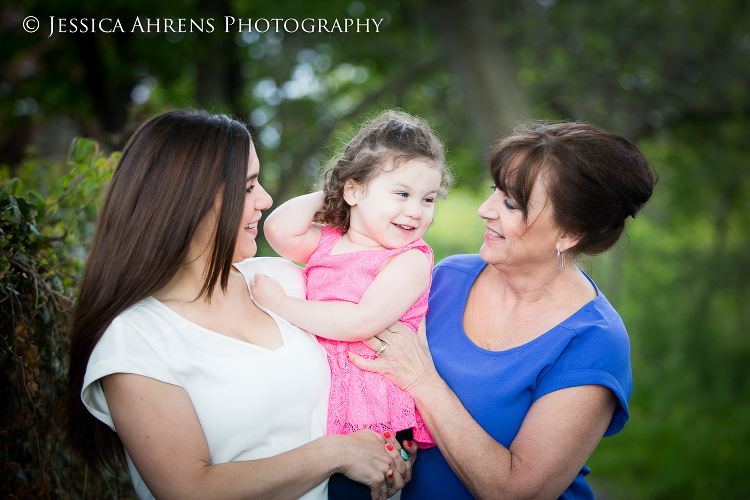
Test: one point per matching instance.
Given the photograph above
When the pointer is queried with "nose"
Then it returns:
(414, 210)
(487, 210)
(263, 200)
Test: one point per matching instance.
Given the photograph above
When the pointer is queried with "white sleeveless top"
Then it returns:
(251, 402)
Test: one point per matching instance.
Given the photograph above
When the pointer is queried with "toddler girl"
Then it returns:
(366, 263)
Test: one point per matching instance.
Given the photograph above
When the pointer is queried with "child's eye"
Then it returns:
(403, 195)
(429, 200)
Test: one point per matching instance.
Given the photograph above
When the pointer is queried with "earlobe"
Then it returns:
(567, 241)
(350, 192)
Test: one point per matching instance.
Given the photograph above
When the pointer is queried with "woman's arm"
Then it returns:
(395, 289)
(290, 229)
(161, 432)
(557, 436)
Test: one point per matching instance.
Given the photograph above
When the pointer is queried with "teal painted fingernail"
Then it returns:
(403, 454)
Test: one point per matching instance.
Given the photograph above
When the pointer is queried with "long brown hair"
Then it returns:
(167, 180)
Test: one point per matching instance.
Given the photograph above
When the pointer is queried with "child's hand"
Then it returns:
(267, 292)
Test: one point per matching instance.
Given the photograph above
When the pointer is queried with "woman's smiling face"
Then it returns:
(511, 240)
(256, 199)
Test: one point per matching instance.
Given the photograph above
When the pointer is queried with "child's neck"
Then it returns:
(352, 241)
(361, 240)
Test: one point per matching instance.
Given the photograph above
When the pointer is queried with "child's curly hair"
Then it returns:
(391, 138)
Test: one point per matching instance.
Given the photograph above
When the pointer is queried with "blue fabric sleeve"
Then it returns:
(595, 356)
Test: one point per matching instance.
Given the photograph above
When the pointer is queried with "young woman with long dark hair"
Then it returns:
(173, 366)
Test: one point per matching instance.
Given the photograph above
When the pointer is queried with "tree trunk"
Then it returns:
(109, 96)
(219, 81)
(486, 73)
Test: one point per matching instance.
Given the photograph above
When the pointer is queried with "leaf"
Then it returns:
(31, 353)
(12, 186)
(82, 151)
(39, 203)
(4, 266)
(21, 331)
(27, 209)
(14, 212)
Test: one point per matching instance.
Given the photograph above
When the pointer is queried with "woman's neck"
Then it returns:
(506, 309)
(187, 283)
(520, 287)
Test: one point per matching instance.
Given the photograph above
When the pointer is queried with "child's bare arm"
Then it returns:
(290, 229)
(398, 285)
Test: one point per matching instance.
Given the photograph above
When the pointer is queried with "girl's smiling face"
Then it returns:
(396, 207)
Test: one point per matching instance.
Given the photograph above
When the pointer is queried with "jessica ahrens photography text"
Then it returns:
(229, 24)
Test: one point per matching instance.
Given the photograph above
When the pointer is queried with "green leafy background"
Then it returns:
(672, 75)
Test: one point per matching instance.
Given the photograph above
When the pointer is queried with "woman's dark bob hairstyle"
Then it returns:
(596, 179)
(169, 176)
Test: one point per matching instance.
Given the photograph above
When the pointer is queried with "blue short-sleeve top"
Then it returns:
(498, 387)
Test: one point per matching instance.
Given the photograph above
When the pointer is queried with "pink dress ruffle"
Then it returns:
(360, 399)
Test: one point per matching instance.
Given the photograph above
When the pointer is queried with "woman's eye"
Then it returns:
(509, 205)
(250, 188)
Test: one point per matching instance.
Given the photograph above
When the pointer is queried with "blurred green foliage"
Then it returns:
(671, 75)
(681, 286)
(42, 248)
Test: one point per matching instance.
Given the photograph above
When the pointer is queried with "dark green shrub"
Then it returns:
(42, 249)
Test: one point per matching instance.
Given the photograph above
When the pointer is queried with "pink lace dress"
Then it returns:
(360, 399)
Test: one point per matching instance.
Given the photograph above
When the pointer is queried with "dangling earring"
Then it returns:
(560, 260)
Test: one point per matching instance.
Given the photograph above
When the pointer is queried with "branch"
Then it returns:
(54, 294)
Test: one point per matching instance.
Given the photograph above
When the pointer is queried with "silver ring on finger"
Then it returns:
(383, 345)
(384, 487)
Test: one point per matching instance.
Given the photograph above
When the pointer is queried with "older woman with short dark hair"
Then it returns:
(528, 365)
